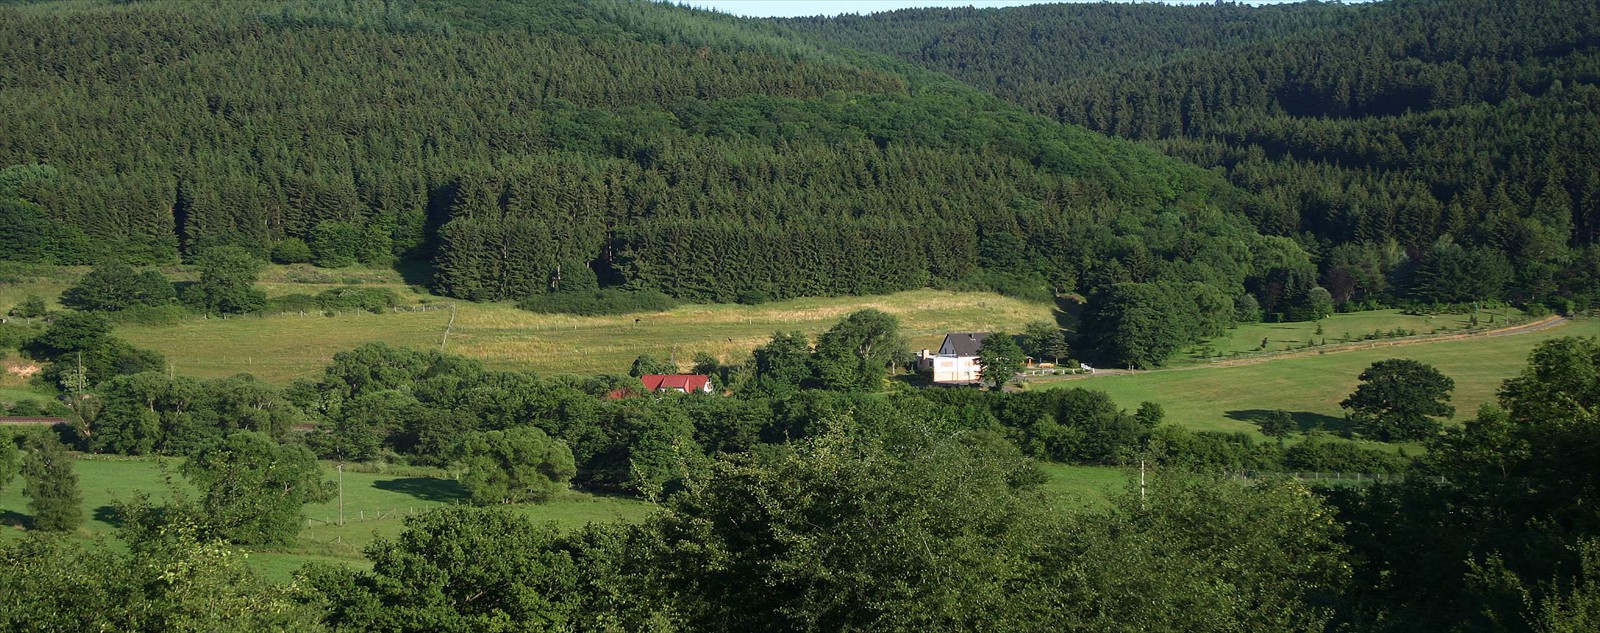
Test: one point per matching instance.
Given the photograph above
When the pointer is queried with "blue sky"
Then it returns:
(787, 8)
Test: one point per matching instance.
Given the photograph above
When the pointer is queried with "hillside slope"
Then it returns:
(1412, 145)
(528, 146)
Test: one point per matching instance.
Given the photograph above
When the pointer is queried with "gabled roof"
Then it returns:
(685, 382)
(963, 343)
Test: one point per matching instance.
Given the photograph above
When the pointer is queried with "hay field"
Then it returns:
(280, 348)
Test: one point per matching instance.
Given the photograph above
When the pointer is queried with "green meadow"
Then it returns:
(1231, 398)
(374, 506)
(1084, 485)
(1339, 328)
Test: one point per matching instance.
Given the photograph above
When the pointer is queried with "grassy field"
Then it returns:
(10, 394)
(1337, 328)
(374, 506)
(1310, 387)
(281, 348)
(1085, 485)
(17, 281)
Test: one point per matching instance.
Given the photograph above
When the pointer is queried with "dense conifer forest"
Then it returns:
(1410, 146)
(1179, 169)
(514, 145)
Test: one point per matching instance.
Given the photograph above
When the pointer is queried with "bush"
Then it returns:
(369, 299)
(336, 244)
(15, 336)
(601, 302)
(1320, 454)
(31, 307)
(150, 315)
(292, 250)
(295, 303)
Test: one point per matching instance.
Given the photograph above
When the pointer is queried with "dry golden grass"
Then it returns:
(283, 347)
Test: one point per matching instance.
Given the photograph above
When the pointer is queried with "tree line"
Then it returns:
(1496, 536)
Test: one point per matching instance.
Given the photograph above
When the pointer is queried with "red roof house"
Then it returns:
(685, 383)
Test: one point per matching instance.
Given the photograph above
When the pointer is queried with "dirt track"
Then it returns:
(1535, 326)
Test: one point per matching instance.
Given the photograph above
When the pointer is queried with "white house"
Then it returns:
(956, 362)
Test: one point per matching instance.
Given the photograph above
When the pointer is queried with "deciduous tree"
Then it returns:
(252, 489)
(999, 360)
(858, 353)
(1398, 399)
(227, 282)
(52, 487)
(516, 465)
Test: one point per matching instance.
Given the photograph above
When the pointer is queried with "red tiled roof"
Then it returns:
(686, 382)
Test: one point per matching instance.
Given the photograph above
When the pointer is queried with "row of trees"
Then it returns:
(898, 517)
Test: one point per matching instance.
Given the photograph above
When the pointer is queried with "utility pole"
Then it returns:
(341, 492)
(1141, 483)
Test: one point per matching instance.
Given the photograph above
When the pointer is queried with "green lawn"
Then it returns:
(1085, 485)
(10, 394)
(281, 348)
(374, 506)
(1335, 329)
(1310, 387)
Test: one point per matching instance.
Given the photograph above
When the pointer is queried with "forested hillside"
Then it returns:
(1425, 150)
(525, 147)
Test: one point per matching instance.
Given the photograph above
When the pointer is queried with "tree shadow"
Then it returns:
(109, 515)
(415, 272)
(1069, 314)
(1303, 420)
(13, 518)
(424, 488)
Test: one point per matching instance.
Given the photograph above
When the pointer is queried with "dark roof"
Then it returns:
(963, 343)
(687, 382)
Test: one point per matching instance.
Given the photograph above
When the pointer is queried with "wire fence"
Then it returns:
(362, 516)
(1334, 478)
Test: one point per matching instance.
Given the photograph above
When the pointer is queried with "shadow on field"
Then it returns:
(108, 515)
(424, 488)
(415, 272)
(1303, 420)
(13, 518)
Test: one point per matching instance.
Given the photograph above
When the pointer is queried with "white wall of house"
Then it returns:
(955, 369)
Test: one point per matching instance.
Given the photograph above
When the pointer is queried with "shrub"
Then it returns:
(292, 250)
(294, 303)
(369, 299)
(1320, 454)
(150, 315)
(31, 307)
(601, 302)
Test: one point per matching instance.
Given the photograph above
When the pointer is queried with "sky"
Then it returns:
(790, 8)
